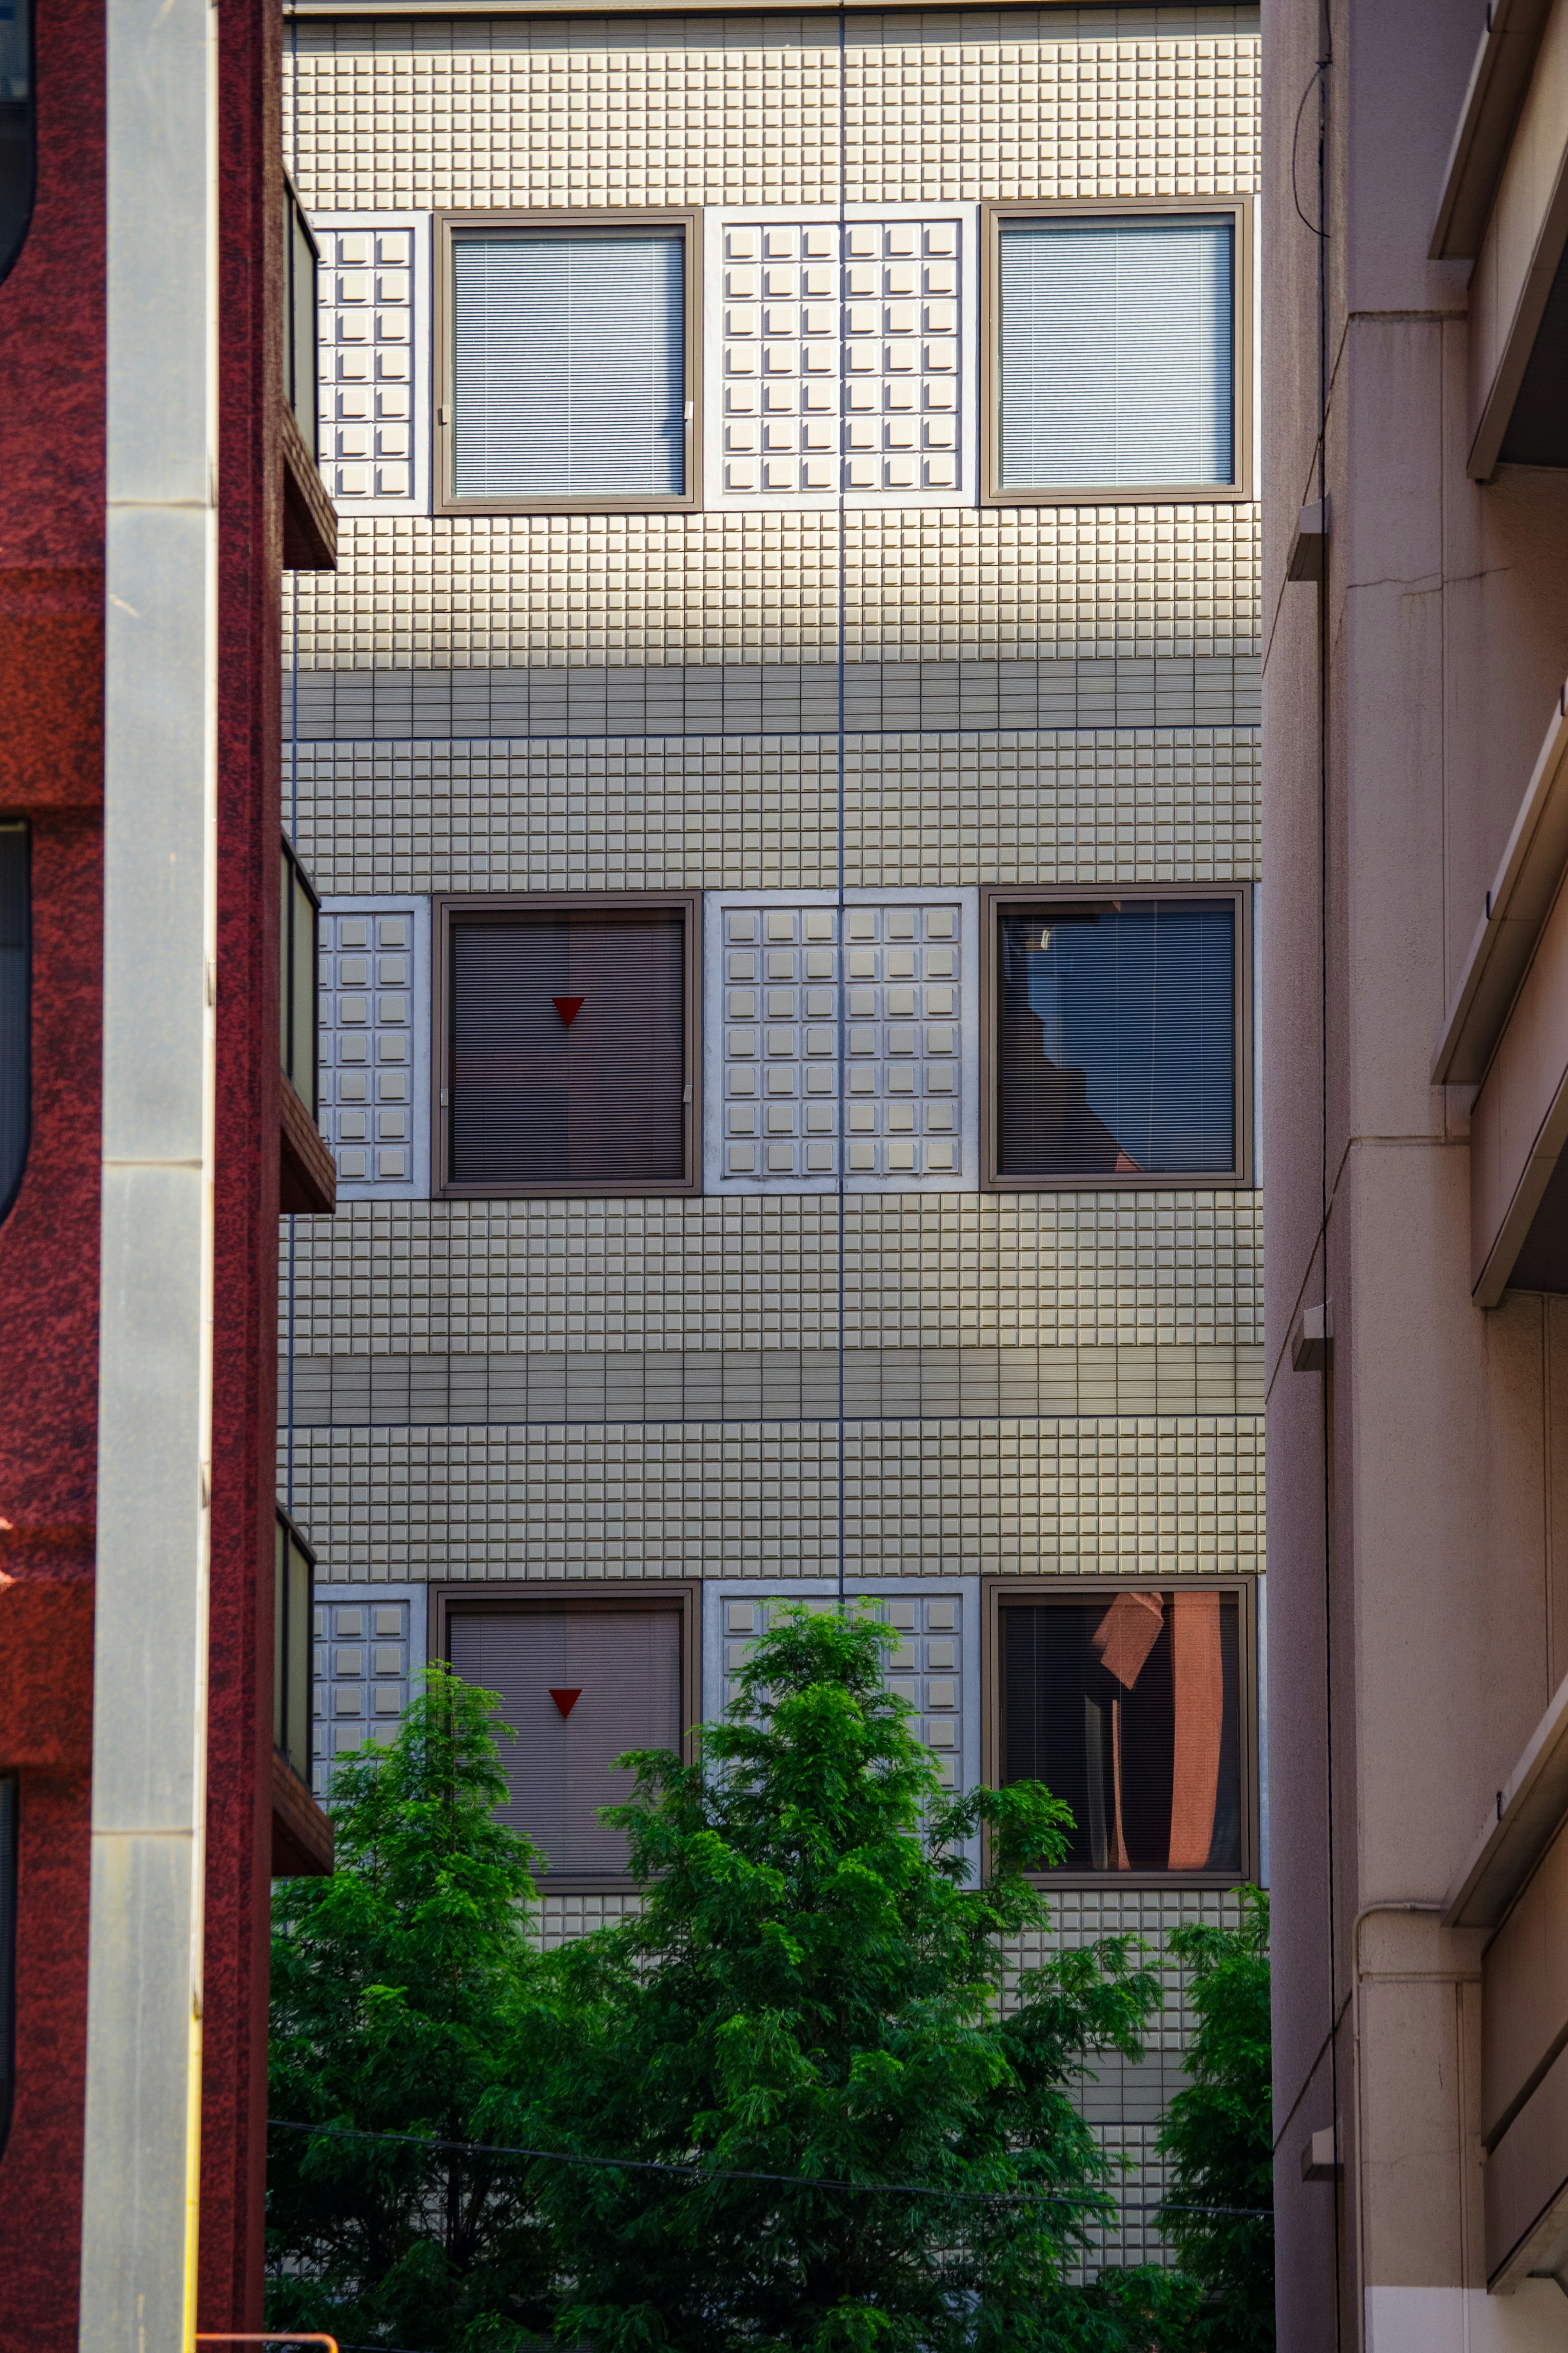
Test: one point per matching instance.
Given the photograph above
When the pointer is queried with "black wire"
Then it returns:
(1099, 2199)
(1316, 227)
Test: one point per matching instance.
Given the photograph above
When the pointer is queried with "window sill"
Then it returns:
(310, 518)
(308, 1175)
(301, 1832)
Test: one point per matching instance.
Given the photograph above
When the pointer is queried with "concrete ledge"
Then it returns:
(1530, 1810)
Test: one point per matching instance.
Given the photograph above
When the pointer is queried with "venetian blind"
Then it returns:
(624, 1665)
(1116, 353)
(569, 365)
(568, 1050)
(1118, 1040)
(1128, 1708)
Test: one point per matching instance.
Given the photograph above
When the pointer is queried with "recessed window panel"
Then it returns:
(1116, 1038)
(569, 364)
(579, 1687)
(17, 132)
(567, 1050)
(1128, 1707)
(1116, 353)
(15, 1010)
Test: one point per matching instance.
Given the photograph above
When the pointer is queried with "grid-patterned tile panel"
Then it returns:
(370, 414)
(741, 111)
(919, 584)
(929, 1499)
(921, 1270)
(369, 1646)
(927, 1666)
(921, 812)
(373, 1056)
(839, 364)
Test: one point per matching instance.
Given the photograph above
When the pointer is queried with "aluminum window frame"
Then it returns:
(566, 220)
(994, 214)
(452, 909)
(997, 1592)
(683, 1594)
(997, 898)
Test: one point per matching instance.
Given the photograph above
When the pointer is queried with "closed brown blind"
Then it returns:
(624, 1666)
(568, 1059)
(1129, 1709)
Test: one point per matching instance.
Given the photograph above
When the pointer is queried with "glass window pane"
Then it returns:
(303, 1000)
(302, 365)
(297, 1728)
(1129, 1709)
(569, 365)
(1116, 353)
(568, 1050)
(16, 127)
(1118, 1040)
(579, 1687)
(16, 1010)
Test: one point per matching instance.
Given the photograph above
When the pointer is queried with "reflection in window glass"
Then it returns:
(1128, 1707)
(1116, 353)
(1117, 1039)
(569, 365)
(17, 151)
(16, 1012)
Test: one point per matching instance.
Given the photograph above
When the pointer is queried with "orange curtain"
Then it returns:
(1123, 1641)
(1197, 1678)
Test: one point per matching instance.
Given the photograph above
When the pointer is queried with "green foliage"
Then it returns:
(1218, 2133)
(811, 1990)
(398, 1986)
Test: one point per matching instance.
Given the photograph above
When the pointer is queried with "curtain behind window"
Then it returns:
(1129, 1709)
(624, 1664)
(568, 1050)
(1117, 352)
(1118, 1040)
(569, 365)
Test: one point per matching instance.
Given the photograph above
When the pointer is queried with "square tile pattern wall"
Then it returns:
(839, 358)
(839, 1041)
(369, 1645)
(373, 1073)
(369, 367)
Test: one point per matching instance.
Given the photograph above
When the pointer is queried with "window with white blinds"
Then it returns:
(569, 364)
(579, 1686)
(1116, 1040)
(1116, 353)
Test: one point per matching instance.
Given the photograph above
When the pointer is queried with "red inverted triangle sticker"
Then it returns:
(568, 1008)
(566, 1700)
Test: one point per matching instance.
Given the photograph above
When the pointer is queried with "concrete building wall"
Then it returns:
(495, 1392)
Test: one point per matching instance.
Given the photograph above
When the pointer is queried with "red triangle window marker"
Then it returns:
(568, 1008)
(566, 1700)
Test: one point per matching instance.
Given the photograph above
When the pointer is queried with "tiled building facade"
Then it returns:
(835, 694)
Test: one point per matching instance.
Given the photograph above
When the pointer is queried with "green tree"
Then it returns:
(1218, 2133)
(397, 1986)
(811, 1990)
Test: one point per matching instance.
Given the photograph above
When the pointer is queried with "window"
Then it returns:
(8, 1812)
(1134, 1707)
(297, 979)
(15, 1008)
(17, 132)
(293, 1619)
(580, 1681)
(567, 1044)
(1117, 352)
(1116, 1038)
(301, 259)
(567, 358)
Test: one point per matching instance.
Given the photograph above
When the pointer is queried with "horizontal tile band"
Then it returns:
(558, 1385)
(785, 699)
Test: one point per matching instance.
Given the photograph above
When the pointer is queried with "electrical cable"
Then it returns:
(1098, 2201)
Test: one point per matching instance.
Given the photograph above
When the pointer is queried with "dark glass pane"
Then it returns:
(16, 127)
(568, 1050)
(1118, 1040)
(1129, 1709)
(16, 1014)
(300, 365)
(8, 1828)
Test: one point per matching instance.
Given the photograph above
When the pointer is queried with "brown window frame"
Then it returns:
(997, 897)
(683, 1594)
(499, 906)
(1237, 209)
(452, 226)
(995, 1592)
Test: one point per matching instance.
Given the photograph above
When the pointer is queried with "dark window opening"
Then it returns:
(1117, 1039)
(18, 140)
(294, 1633)
(297, 980)
(300, 261)
(568, 1050)
(1128, 1707)
(15, 1008)
(9, 1808)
